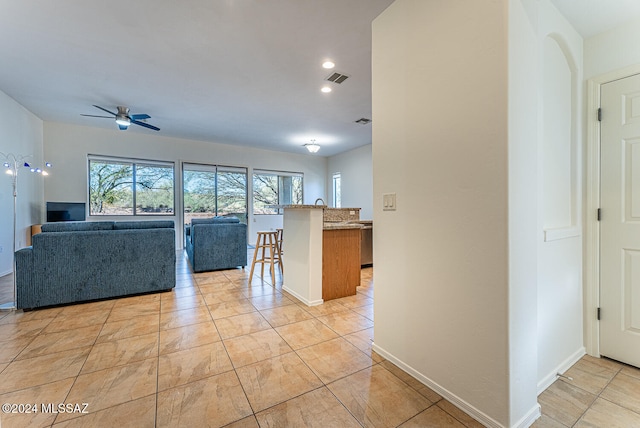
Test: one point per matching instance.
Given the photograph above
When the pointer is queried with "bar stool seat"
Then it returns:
(267, 246)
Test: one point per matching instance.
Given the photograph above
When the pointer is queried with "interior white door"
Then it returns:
(620, 221)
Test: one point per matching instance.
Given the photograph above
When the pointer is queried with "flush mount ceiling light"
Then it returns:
(328, 64)
(326, 89)
(313, 147)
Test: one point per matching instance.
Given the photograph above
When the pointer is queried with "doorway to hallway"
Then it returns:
(620, 220)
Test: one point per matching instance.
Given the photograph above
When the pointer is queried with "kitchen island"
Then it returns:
(322, 259)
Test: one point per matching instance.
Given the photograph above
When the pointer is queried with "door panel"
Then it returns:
(620, 224)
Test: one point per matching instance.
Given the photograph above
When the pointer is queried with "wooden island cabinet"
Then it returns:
(321, 252)
(340, 262)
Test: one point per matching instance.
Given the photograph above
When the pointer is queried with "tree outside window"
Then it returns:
(119, 187)
(211, 190)
(275, 188)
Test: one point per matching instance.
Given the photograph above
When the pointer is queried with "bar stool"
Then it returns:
(266, 241)
(280, 233)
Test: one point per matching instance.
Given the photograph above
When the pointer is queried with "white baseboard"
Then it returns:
(528, 419)
(6, 272)
(302, 299)
(546, 381)
(476, 414)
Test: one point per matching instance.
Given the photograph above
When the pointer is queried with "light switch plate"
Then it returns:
(388, 201)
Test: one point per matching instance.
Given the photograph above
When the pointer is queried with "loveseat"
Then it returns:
(80, 261)
(216, 243)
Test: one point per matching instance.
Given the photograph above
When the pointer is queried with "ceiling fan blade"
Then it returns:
(123, 127)
(139, 116)
(146, 125)
(92, 115)
(104, 109)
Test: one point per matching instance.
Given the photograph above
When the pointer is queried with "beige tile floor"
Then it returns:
(6, 289)
(602, 393)
(222, 351)
(217, 351)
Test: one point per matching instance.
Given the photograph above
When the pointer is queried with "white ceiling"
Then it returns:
(243, 72)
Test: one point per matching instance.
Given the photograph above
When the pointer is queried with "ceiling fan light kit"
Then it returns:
(124, 119)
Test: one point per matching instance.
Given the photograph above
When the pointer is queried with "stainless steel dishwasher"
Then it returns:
(366, 243)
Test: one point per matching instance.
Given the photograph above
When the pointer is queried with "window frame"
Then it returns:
(134, 163)
(216, 169)
(337, 196)
(279, 175)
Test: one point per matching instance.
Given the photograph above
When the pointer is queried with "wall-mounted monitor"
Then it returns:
(66, 211)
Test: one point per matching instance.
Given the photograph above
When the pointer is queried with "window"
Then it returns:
(337, 197)
(275, 188)
(130, 187)
(211, 190)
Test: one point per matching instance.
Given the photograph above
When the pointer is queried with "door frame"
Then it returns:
(591, 260)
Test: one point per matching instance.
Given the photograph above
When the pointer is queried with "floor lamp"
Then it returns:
(14, 164)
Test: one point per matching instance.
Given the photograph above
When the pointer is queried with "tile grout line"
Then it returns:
(619, 370)
(233, 367)
(75, 379)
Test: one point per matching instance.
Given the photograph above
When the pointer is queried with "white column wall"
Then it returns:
(523, 203)
(440, 143)
(20, 134)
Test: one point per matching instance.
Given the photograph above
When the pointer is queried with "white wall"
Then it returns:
(559, 226)
(20, 134)
(612, 50)
(523, 215)
(440, 143)
(68, 146)
(356, 170)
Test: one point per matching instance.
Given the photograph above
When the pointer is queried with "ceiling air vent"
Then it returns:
(363, 121)
(337, 78)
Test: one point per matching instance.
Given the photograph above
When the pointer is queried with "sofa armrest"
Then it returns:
(24, 273)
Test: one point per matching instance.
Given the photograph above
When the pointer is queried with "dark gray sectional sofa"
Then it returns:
(79, 261)
(216, 243)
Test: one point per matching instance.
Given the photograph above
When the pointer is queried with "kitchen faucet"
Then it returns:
(321, 200)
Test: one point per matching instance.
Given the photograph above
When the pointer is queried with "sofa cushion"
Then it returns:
(153, 224)
(215, 220)
(76, 226)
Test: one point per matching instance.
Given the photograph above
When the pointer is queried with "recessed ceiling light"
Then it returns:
(326, 89)
(328, 64)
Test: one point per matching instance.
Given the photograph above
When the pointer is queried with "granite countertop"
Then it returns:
(299, 206)
(338, 225)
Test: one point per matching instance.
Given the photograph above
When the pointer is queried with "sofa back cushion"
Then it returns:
(215, 220)
(153, 224)
(77, 226)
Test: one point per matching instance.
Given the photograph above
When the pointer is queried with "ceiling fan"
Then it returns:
(124, 119)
